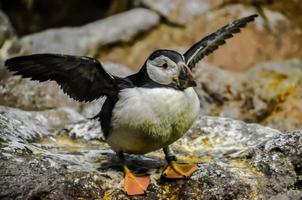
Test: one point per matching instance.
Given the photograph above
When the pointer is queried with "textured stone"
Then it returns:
(235, 160)
(87, 39)
(9, 45)
(268, 93)
(32, 95)
(178, 11)
(32, 16)
(275, 39)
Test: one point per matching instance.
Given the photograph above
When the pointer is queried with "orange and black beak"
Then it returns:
(185, 77)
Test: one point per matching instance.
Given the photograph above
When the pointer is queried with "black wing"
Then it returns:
(211, 42)
(82, 78)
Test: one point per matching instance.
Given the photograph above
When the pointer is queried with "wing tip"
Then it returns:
(250, 18)
(10, 64)
(227, 32)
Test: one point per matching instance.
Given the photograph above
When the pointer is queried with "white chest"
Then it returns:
(147, 119)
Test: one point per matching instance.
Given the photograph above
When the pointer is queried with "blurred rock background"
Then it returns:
(256, 77)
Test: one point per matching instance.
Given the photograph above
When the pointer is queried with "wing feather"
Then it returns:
(212, 42)
(82, 78)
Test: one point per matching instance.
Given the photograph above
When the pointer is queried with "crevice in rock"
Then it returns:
(298, 183)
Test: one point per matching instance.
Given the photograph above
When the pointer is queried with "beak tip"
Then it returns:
(186, 77)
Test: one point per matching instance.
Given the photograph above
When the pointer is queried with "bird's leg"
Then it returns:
(133, 184)
(175, 170)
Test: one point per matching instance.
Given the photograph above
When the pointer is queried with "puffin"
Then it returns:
(143, 112)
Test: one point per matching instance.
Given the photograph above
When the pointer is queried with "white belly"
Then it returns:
(146, 119)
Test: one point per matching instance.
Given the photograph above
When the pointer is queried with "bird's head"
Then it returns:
(168, 67)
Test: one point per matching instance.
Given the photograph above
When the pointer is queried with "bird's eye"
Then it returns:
(165, 66)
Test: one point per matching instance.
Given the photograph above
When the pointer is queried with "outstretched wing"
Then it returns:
(211, 42)
(82, 78)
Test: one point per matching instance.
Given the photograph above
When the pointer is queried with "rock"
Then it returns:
(117, 69)
(55, 153)
(220, 137)
(20, 125)
(41, 15)
(179, 12)
(256, 43)
(279, 86)
(281, 40)
(291, 9)
(60, 116)
(84, 130)
(9, 45)
(32, 95)
(281, 159)
(34, 125)
(268, 93)
(87, 39)
(236, 161)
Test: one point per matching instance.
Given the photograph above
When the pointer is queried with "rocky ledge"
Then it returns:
(49, 150)
(236, 160)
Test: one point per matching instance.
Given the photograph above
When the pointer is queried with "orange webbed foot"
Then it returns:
(178, 171)
(135, 185)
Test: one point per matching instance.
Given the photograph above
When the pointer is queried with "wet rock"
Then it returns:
(84, 130)
(236, 161)
(219, 137)
(33, 95)
(280, 158)
(87, 39)
(21, 125)
(33, 125)
(60, 116)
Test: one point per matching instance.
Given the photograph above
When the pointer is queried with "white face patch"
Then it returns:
(159, 74)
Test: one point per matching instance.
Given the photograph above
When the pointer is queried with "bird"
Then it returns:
(143, 112)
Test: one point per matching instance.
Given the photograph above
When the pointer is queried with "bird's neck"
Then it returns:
(141, 79)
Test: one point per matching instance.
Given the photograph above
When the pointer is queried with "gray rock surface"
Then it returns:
(53, 152)
(87, 39)
(178, 11)
(33, 95)
(33, 16)
(236, 161)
